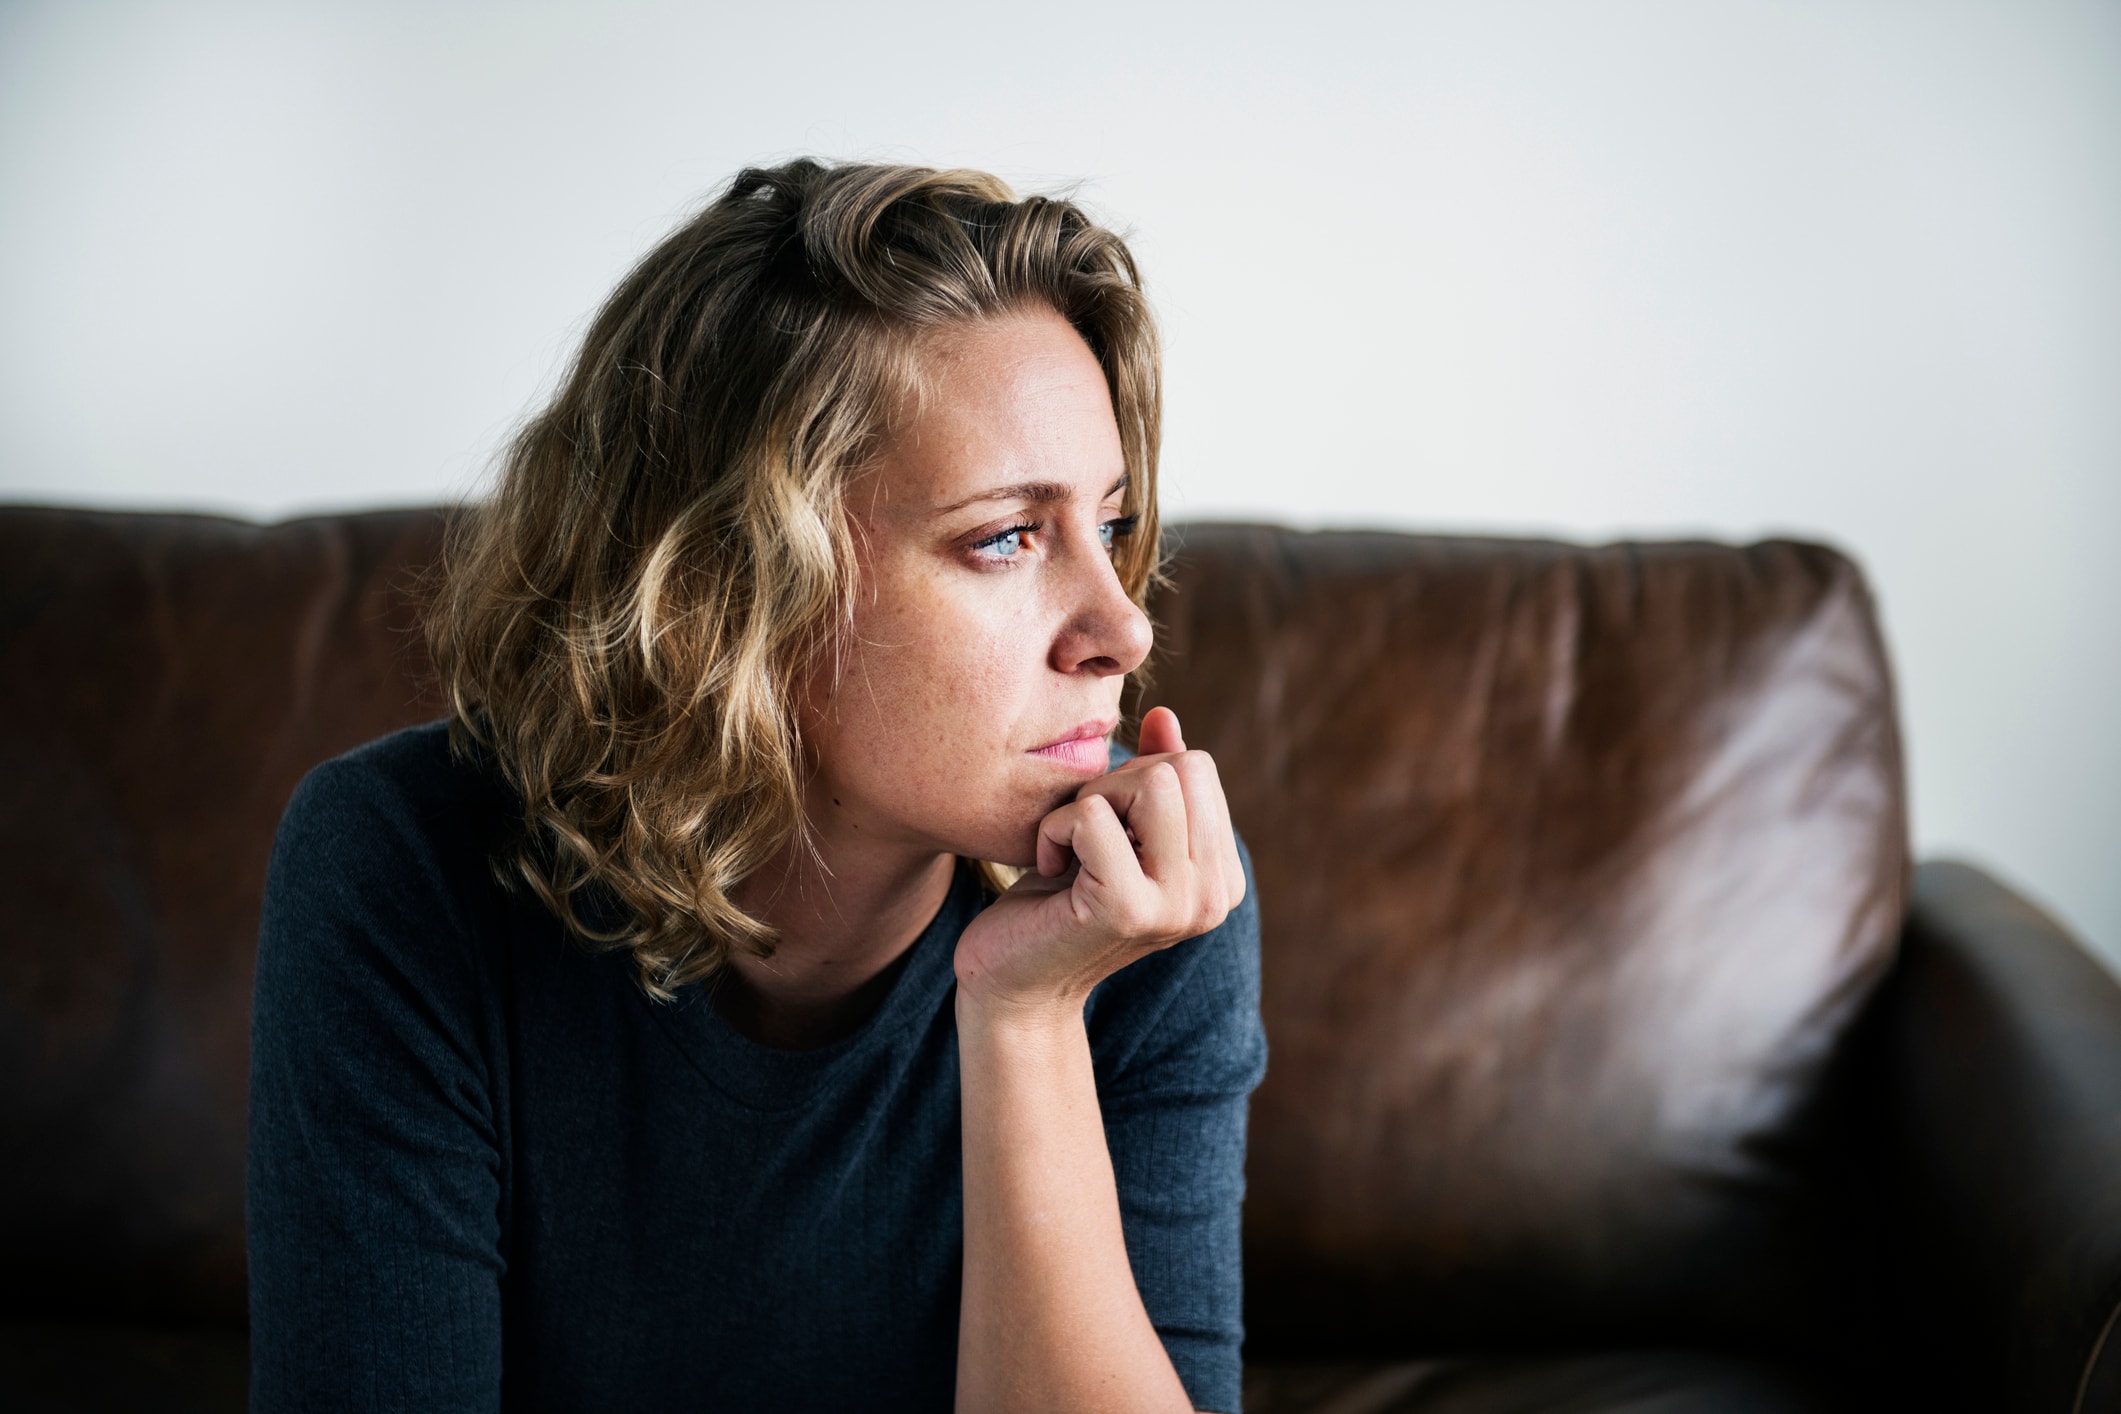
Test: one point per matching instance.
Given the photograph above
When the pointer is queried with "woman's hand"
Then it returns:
(1049, 1316)
(1142, 858)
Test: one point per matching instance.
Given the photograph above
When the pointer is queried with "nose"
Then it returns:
(1103, 633)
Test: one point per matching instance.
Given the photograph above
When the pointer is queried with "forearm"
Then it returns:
(1050, 1317)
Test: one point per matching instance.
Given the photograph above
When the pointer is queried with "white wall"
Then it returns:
(1845, 269)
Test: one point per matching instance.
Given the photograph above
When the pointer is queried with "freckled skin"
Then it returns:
(990, 622)
(966, 658)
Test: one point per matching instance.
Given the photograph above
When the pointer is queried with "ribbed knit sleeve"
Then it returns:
(1178, 1047)
(375, 1183)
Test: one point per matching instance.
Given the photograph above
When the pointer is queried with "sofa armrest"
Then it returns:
(2003, 1056)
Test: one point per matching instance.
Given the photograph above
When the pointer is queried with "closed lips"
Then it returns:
(1084, 749)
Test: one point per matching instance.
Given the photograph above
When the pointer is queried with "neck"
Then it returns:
(846, 920)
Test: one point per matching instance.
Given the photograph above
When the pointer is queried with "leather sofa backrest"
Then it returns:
(1574, 866)
(164, 682)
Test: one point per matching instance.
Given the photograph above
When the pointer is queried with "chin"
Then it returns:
(1010, 839)
(1022, 855)
(1017, 848)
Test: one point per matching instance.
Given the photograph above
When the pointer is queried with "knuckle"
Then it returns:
(1210, 905)
(1197, 768)
(1130, 918)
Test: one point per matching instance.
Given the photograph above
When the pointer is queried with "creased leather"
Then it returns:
(1574, 864)
(164, 682)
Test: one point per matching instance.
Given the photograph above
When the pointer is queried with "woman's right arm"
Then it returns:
(374, 1174)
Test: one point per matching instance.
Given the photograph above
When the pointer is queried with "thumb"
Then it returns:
(1160, 733)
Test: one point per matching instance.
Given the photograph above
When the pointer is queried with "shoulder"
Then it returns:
(376, 1020)
(400, 798)
(413, 775)
(1186, 1018)
(378, 852)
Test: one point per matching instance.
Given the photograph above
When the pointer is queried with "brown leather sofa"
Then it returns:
(1619, 1059)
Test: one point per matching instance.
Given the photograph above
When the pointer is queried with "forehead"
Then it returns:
(1000, 402)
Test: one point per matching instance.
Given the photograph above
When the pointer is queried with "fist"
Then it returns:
(1142, 858)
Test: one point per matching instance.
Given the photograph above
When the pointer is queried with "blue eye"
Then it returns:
(1112, 531)
(1005, 545)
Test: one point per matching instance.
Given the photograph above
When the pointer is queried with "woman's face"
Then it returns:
(992, 635)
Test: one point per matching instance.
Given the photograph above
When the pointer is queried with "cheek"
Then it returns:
(931, 720)
(935, 694)
(920, 694)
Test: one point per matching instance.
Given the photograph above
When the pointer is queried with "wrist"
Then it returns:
(982, 1013)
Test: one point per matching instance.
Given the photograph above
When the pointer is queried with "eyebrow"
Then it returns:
(1042, 493)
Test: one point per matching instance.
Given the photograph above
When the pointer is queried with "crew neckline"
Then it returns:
(762, 1077)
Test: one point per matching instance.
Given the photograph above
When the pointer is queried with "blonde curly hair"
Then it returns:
(623, 625)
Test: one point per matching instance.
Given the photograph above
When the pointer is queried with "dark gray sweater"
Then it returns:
(486, 1171)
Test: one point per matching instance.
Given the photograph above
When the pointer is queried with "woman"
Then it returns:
(651, 1034)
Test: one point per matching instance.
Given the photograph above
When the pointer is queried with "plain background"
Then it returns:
(1847, 270)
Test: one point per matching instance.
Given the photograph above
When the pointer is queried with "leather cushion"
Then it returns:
(1574, 864)
(164, 682)
(1654, 1382)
